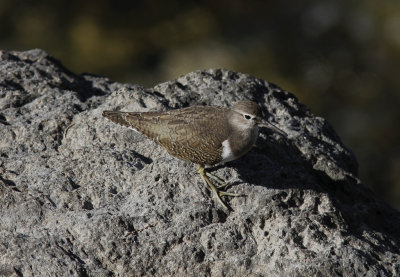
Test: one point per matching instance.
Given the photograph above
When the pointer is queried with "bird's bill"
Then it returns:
(266, 124)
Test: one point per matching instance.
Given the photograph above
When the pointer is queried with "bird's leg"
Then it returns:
(222, 185)
(216, 191)
(221, 182)
(213, 188)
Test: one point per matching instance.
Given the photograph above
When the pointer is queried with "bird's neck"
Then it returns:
(241, 140)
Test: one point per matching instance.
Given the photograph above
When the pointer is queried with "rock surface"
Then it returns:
(81, 196)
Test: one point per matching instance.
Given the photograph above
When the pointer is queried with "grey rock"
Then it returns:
(81, 196)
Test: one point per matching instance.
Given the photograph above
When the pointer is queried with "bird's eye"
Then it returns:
(248, 117)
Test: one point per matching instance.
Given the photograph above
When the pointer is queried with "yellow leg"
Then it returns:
(222, 185)
(218, 193)
(221, 182)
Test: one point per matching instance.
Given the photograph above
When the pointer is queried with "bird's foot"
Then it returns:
(222, 183)
(217, 190)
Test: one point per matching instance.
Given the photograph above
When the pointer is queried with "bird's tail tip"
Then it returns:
(107, 113)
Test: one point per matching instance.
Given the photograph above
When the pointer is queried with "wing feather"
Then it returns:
(194, 134)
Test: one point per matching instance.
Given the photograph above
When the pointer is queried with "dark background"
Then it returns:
(341, 58)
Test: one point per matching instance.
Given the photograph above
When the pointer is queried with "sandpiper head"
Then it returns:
(247, 115)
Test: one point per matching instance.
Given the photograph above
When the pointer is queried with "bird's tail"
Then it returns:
(117, 117)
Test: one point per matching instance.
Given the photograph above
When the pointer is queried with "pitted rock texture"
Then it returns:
(81, 196)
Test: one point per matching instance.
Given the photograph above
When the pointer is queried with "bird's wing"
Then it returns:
(194, 133)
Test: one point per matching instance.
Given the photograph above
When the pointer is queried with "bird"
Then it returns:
(204, 135)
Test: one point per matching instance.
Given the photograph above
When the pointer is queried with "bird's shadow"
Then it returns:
(277, 163)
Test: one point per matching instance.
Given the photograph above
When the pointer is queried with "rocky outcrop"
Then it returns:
(81, 196)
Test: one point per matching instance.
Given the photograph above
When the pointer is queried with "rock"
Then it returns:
(81, 196)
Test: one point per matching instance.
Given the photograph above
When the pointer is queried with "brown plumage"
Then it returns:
(193, 134)
(205, 135)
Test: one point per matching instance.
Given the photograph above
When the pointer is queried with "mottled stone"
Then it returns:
(83, 197)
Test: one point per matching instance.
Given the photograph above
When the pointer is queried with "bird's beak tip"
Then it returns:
(266, 124)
